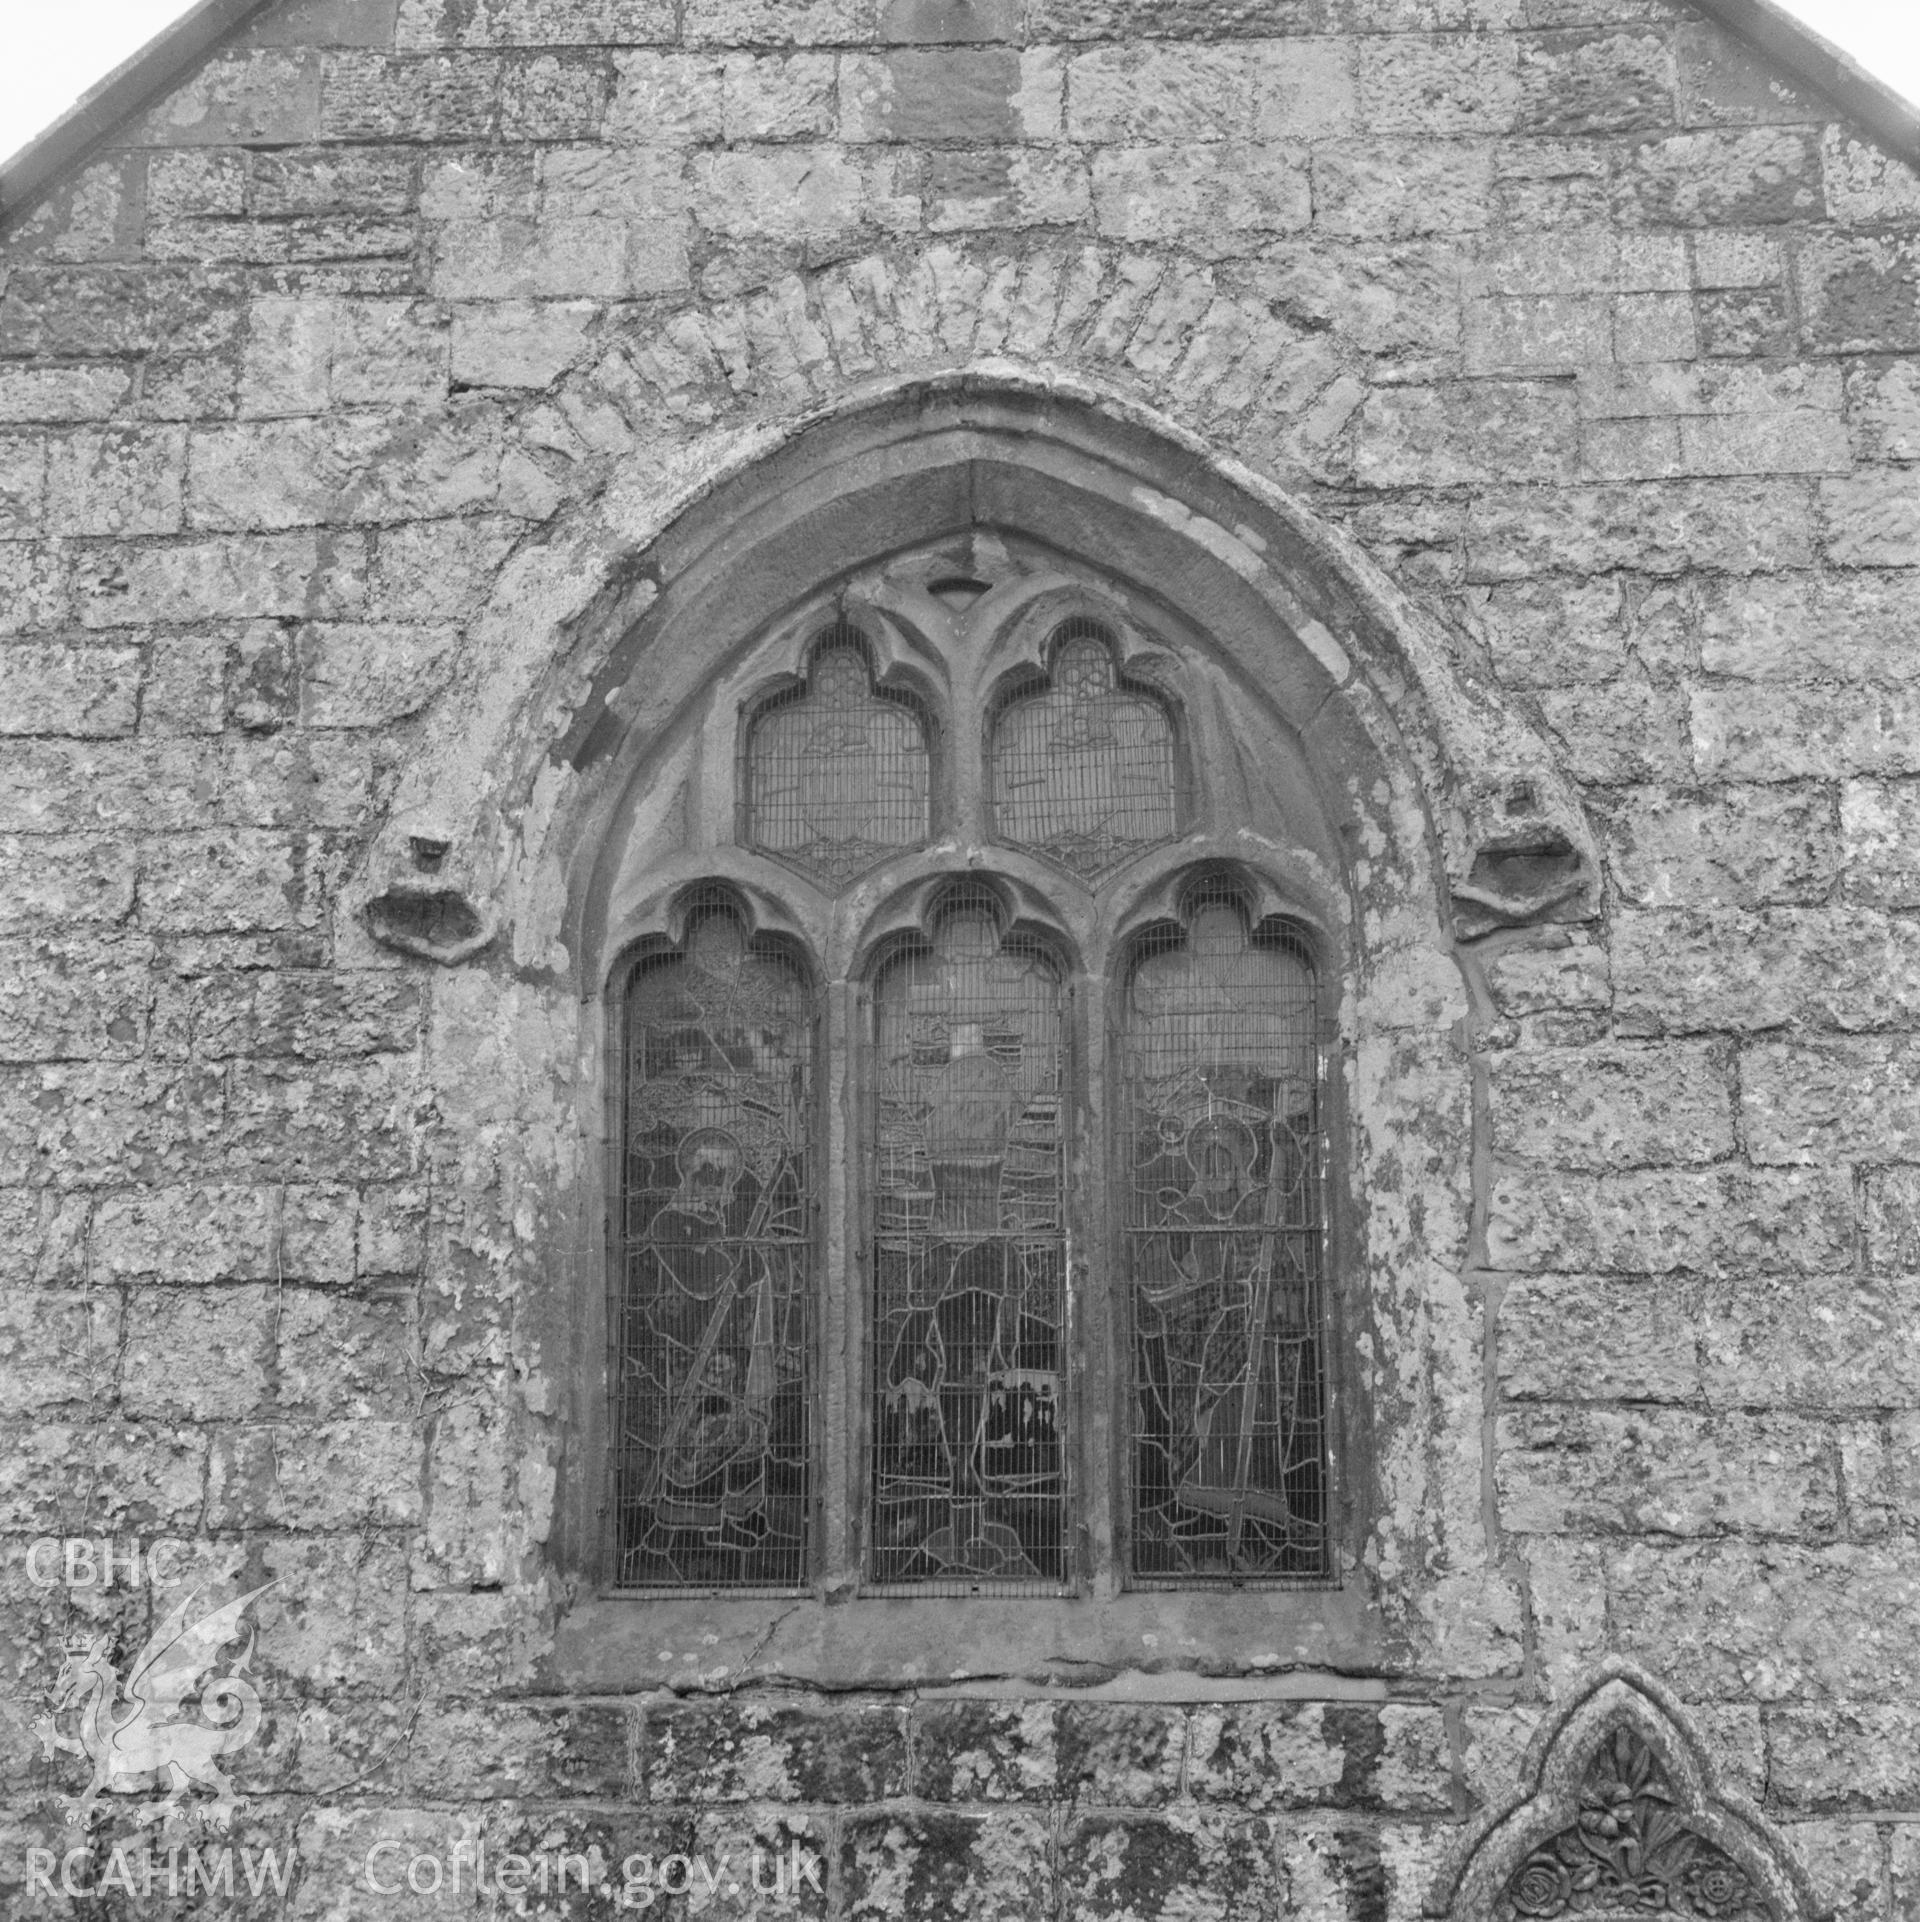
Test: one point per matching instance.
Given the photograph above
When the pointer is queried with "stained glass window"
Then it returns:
(1083, 766)
(1224, 1251)
(836, 772)
(929, 1216)
(968, 1472)
(712, 1389)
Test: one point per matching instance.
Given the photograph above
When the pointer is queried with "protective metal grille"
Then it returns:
(836, 773)
(1225, 1244)
(712, 1392)
(968, 1471)
(1083, 767)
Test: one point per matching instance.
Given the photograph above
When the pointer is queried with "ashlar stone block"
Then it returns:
(1591, 81)
(315, 1477)
(519, 343)
(1607, 1471)
(79, 994)
(361, 675)
(1439, 84)
(1738, 846)
(1396, 188)
(1465, 431)
(1774, 733)
(1859, 293)
(1817, 1098)
(264, 97)
(1652, 1222)
(1854, 626)
(197, 1354)
(733, 1750)
(50, 688)
(1844, 1755)
(1611, 1107)
(121, 1475)
(1694, 969)
(1210, 195)
(1575, 1338)
(1162, 91)
(981, 1751)
(1871, 518)
(1773, 1621)
(1865, 183)
(236, 576)
(931, 95)
(117, 480)
(1751, 178)
(57, 880)
(57, 1348)
(1880, 838)
(581, 255)
(33, 393)
(1116, 1868)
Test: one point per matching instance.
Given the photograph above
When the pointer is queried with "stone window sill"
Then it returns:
(1145, 1644)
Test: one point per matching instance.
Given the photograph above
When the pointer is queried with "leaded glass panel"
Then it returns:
(836, 772)
(712, 1390)
(1083, 767)
(968, 1479)
(1224, 1239)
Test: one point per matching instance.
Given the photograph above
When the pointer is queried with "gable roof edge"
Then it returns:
(109, 104)
(142, 78)
(1889, 116)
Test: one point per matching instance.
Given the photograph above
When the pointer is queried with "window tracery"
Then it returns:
(1083, 764)
(836, 771)
(987, 1167)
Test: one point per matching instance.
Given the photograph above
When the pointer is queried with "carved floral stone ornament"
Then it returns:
(1623, 1820)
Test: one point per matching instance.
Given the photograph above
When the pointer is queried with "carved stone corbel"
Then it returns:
(423, 895)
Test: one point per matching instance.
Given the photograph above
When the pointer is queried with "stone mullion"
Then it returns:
(841, 1358)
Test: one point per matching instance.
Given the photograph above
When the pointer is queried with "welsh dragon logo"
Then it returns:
(146, 1738)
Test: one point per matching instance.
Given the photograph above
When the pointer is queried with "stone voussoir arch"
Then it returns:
(520, 754)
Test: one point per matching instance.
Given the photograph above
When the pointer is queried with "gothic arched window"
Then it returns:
(1029, 1299)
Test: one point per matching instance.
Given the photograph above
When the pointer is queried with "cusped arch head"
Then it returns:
(1620, 1815)
(596, 651)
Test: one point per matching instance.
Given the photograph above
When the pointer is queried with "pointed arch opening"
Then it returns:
(944, 555)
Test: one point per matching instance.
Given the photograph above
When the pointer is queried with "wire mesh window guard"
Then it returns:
(712, 1389)
(1083, 767)
(968, 1476)
(1224, 1256)
(836, 772)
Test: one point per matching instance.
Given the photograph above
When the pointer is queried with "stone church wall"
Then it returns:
(346, 378)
